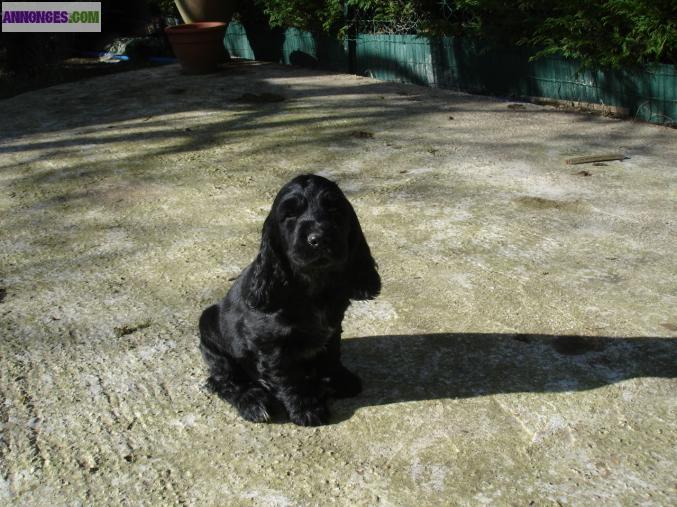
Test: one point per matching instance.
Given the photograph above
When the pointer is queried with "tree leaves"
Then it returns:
(598, 33)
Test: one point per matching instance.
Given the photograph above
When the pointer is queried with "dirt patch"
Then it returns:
(129, 329)
(541, 203)
(362, 134)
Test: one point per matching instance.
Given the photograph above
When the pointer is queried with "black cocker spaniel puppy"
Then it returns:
(275, 338)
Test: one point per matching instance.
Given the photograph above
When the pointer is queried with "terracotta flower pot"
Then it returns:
(198, 46)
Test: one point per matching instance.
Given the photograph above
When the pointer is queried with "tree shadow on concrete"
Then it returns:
(403, 368)
(85, 144)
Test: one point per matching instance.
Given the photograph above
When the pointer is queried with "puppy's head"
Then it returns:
(314, 222)
(312, 229)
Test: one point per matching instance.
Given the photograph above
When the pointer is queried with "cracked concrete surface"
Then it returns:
(522, 350)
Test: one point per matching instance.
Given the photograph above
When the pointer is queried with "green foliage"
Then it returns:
(323, 15)
(601, 33)
(611, 33)
(163, 7)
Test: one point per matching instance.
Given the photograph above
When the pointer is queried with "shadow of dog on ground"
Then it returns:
(400, 368)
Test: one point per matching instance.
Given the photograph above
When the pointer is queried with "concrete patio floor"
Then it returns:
(522, 351)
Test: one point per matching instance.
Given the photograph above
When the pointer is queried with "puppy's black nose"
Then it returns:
(314, 239)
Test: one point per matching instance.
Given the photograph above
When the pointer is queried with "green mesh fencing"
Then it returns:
(237, 42)
(465, 65)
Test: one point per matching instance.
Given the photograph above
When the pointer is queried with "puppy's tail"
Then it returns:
(226, 377)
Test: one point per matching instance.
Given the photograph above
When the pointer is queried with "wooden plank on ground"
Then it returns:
(595, 158)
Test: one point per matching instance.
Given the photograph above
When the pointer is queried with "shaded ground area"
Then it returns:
(522, 350)
(68, 70)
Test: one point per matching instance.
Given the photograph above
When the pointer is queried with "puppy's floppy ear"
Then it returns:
(364, 280)
(268, 276)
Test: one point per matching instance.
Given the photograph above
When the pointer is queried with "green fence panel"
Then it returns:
(299, 48)
(290, 46)
(403, 58)
(237, 42)
(465, 65)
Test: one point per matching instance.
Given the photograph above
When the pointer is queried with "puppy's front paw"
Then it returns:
(315, 416)
(254, 405)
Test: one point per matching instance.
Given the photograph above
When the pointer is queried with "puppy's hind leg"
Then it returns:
(251, 401)
(227, 379)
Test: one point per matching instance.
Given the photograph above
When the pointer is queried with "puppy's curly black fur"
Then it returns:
(276, 335)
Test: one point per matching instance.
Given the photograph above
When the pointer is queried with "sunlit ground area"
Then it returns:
(522, 349)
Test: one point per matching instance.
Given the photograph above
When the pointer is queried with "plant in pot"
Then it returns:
(199, 43)
(198, 46)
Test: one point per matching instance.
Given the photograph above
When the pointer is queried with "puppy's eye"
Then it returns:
(290, 208)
